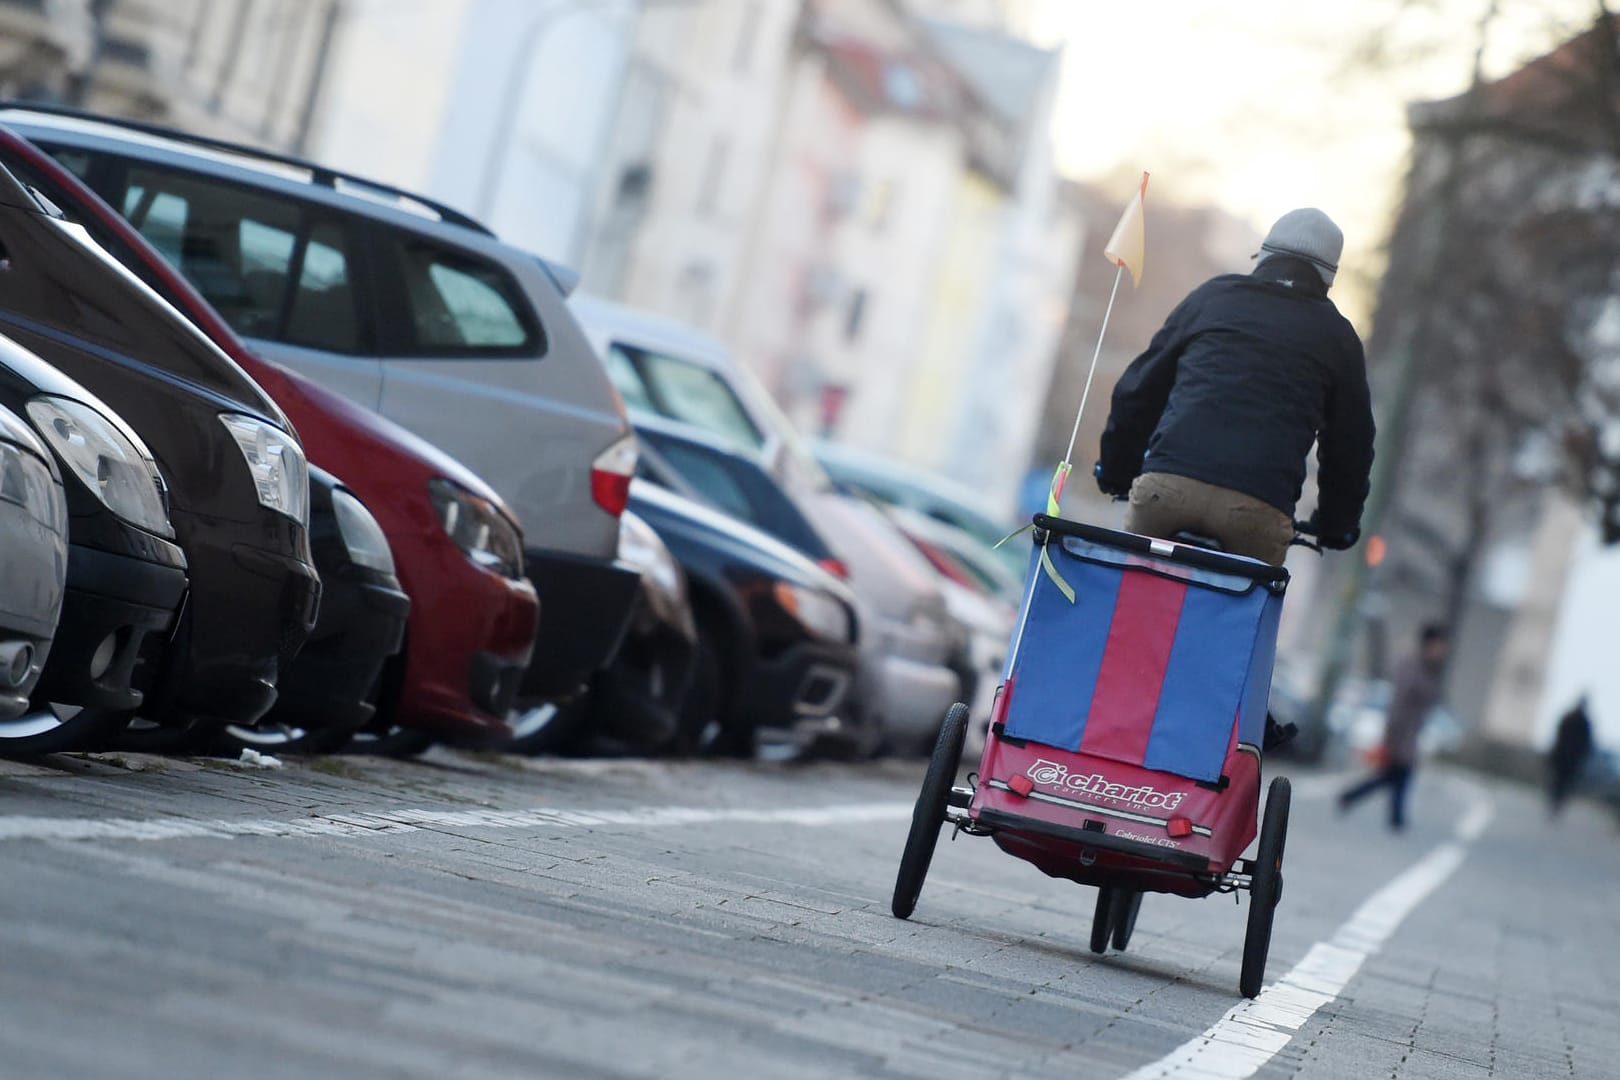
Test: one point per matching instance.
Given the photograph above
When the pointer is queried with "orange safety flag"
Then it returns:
(1127, 246)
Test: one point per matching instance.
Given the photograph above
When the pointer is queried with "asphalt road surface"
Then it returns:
(490, 917)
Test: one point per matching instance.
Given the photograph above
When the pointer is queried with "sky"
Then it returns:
(1259, 106)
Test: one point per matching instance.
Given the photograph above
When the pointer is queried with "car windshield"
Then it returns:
(681, 390)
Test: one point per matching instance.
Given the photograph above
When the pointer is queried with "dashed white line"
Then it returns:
(1253, 1032)
(371, 822)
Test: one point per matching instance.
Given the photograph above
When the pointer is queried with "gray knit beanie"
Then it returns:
(1310, 235)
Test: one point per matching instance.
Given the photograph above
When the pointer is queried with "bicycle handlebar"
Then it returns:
(1305, 537)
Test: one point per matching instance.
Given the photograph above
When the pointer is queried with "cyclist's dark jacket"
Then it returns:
(1244, 375)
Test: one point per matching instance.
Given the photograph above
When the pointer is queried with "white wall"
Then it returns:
(535, 85)
(387, 88)
(1584, 645)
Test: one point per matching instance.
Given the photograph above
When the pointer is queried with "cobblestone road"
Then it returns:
(489, 917)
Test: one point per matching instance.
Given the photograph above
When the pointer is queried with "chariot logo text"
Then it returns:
(1051, 774)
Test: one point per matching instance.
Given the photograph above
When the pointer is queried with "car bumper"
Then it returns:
(806, 685)
(32, 568)
(908, 697)
(471, 637)
(332, 682)
(589, 604)
(250, 611)
(129, 601)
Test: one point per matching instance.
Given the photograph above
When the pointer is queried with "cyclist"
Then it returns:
(1210, 428)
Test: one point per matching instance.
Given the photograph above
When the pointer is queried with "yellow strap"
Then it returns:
(1015, 532)
(1057, 579)
(1054, 494)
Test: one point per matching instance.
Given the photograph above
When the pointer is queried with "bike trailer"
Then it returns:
(1124, 747)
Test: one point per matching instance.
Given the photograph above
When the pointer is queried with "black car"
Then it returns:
(126, 578)
(33, 560)
(776, 633)
(729, 478)
(331, 688)
(237, 477)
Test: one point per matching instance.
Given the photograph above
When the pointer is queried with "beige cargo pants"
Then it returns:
(1162, 504)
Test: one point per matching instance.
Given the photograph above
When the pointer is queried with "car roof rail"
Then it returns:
(323, 175)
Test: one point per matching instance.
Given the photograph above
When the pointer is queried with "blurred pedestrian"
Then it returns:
(1416, 691)
(1210, 427)
(1570, 748)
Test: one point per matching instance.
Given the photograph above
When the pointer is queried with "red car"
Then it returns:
(457, 550)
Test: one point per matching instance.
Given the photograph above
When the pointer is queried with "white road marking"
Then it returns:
(371, 822)
(1253, 1032)
(1320, 786)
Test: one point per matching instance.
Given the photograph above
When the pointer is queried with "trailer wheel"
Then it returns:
(929, 812)
(1265, 887)
(1127, 902)
(1102, 920)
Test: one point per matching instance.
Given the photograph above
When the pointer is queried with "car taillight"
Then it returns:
(836, 567)
(946, 564)
(611, 473)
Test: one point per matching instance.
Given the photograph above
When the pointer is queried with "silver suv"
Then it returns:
(409, 308)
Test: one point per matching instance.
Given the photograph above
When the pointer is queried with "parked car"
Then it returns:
(912, 648)
(330, 690)
(776, 633)
(636, 703)
(410, 308)
(237, 476)
(33, 560)
(125, 575)
(917, 489)
(975, 588)
(472, 613)
(913, 656)
(962, 557)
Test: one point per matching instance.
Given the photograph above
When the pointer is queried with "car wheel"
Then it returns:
(392, 741)
(546, 727)
(701, 717)
(49, 728)
(275, 737)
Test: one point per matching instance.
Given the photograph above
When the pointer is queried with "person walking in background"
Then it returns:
(1416, 691)
(1570, 748)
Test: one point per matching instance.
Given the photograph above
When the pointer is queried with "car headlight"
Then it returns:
(26, 482)
(823, 614)
(276, 462)
(120, 471)
(361, 534)
(478, 528)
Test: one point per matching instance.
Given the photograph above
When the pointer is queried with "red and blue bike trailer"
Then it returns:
(1124, 746)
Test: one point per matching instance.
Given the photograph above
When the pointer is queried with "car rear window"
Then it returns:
(460, 304)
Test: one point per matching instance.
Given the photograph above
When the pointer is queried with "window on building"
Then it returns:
(742, 56)
(855, 320)
(903, 85)
(714, 177)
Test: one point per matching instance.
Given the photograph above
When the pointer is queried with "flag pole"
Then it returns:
(1055, 499)
(1068, 454)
